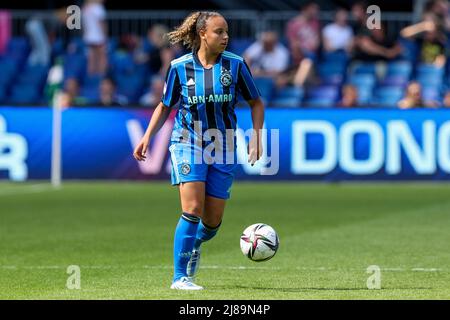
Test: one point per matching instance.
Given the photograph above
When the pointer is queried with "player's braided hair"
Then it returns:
(188, 31)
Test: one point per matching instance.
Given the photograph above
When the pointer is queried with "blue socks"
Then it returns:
(184, 243)
(205, 233)
(190, 233)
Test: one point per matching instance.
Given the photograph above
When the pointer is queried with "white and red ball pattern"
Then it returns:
(259, 242)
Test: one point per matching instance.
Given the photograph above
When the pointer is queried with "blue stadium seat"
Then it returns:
(399, 68)
(17, 50)
(57, 48)
(429, 70)
(323, 91)
(363, 79)
(322, 96)
(431, 93)
(122, 62)
(394, 80)
(74, 66)
(130, 86)
(388, 96)
(2, 94)
(340, 57)
(113, 43)
(410, 49)
(333, 79)
(331, 69)
(364, 83)
(7, 72)
(239, 45)
(289, 97)
(92, 80)
(430, 79)
(265, 86)
(24, 94)
(143, 70)
(320, 102)
(33, 75)
(364, 95)
(363, 68)
(77, 46)
(91, 94)
(18, 45)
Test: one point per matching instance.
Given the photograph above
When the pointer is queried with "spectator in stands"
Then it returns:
(156, 51)
(95, 36)
(65, 100)
(303, 34)
(430, 35)
(72, 90)
(43, 32)
(338, 36)
(108, 94)
(349, 96)
(359, 15)
(58, 31)
(5, 30)
(440, 9)
(153, 96)
(376, 47)
(40, 44)
(413, 97)
(267, 57)
(128, 42)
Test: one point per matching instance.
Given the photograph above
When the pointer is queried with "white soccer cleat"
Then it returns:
(184, 283)
(193, 264)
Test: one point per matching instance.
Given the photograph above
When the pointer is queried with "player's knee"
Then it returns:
(195, 208)
(212, 221)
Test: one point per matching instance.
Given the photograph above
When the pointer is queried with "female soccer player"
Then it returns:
(206, 83)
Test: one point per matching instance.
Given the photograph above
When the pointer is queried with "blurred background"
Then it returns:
(318, 54)
(351, 94)
(309, 59)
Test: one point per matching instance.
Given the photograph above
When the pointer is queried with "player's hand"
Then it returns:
(141, 149)
(254, 149)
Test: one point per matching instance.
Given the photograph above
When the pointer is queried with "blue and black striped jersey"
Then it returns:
(207, 95)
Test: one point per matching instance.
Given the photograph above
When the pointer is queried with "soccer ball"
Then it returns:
(259, 242)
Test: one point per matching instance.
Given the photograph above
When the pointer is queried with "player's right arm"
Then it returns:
(170, 97)
(159, 116)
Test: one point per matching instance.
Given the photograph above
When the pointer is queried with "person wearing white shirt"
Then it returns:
(95, 35)
(267, 57)
(338, 35)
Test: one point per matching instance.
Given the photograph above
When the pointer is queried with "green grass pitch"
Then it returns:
(120, 235)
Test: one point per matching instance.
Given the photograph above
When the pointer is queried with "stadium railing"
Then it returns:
(242, 23)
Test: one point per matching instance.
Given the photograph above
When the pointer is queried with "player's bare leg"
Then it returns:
(214, 209)
(192, 196)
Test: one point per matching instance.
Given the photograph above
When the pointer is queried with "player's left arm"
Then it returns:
(255, 149)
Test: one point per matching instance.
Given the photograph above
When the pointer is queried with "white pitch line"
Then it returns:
(9, 267)
(33, 188)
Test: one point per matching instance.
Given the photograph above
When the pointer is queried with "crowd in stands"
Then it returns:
(341, 64)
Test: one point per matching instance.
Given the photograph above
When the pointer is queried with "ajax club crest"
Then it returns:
(226, 78)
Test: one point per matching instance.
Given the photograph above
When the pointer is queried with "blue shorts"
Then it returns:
(218, 177)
